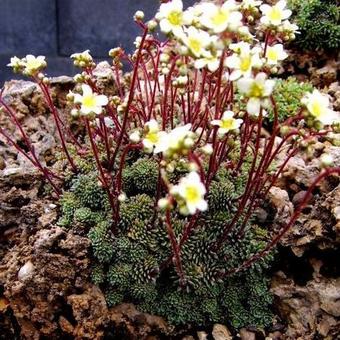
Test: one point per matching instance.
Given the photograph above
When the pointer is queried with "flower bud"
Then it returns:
(135, 137)
(139, 16)
(152, 24)
(163, 203)
(122, 197)
(75, 113)
(326, 160)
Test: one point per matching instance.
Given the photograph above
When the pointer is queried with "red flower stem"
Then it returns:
(197, 161)
(175, 248)
(130, 98)
(165, 94)
(99, 165)
(34, 161)
(105, 137)
(57, 120)
(277, 238)
(218, 87)
(245, 196)
(188, 229)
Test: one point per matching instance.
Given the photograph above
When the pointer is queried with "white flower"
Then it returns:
(163, 203)
(82, 55)
(209, 60)
(227, 123)
(219, 18)
(189, 193)
(154, 140)
(318, 106)
(275, 53)
(197, 41)
(90, 101)
(274, 15)
(171, 17)
(15, 62)
(179, 138)
(256, 89)
(33, 64)
(289, 27)
(243, 61)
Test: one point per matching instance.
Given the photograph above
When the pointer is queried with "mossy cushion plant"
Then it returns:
(129, 264)
(288, 94)
(168, 173)
(319, 23)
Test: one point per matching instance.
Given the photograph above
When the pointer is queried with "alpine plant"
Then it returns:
(168, 170)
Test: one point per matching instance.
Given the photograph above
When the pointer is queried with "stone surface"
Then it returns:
(312, 311)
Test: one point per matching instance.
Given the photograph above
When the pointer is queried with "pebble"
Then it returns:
(26, 270)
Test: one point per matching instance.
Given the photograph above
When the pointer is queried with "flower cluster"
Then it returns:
(188, 123)
(29, 65)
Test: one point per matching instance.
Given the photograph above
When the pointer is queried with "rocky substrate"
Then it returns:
(45, 286)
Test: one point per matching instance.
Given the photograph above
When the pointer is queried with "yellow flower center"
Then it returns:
(175, 18)
(195, 45)
(191, 193)
(227, 123)
(245, 63)
(152, 137)
(316, 109)
(220, 17)
(256, 90)
(89, 101)
(33, 64)
(275, 14)
(272, 54)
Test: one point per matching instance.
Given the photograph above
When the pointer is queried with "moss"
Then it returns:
(288, 94)
(319, 23)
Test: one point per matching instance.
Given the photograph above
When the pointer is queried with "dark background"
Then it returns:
(58, 28)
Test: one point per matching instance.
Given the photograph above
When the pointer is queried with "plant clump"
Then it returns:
(169, 170)
(319, 23)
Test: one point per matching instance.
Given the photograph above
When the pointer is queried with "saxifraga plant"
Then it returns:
(319, 23)
(181, 163)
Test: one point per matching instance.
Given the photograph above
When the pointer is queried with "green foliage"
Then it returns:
(288, 94)
(319, 23)
(136, 208)
(85, 204)
(140, 177)
(102, 242)
(128, 264)
(69, 204)
(88, 191)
